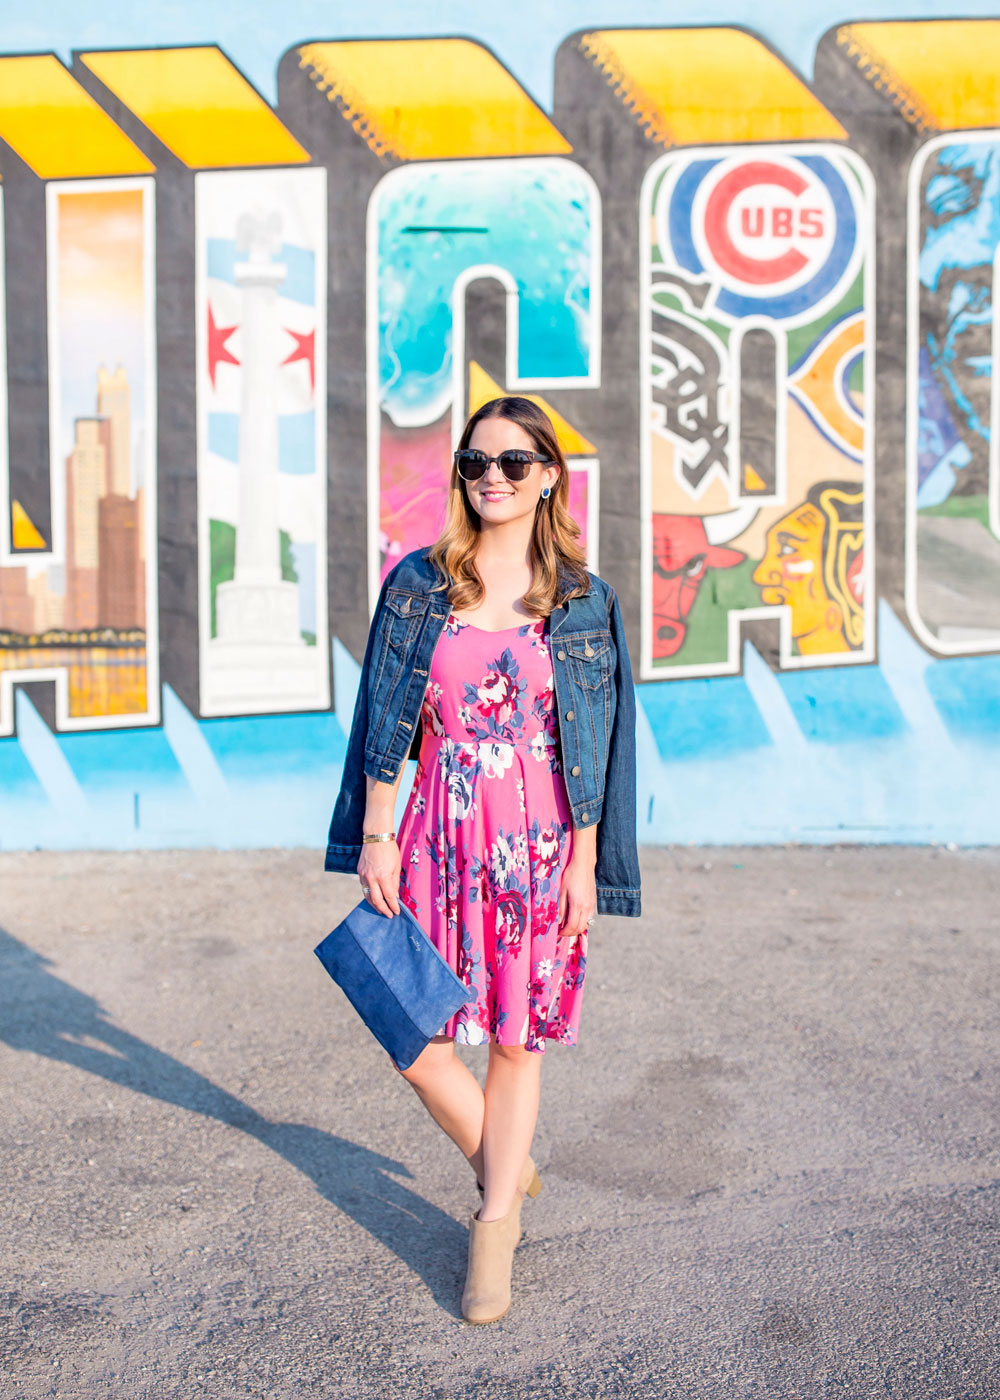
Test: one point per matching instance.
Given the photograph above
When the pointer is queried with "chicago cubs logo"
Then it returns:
(773, 234)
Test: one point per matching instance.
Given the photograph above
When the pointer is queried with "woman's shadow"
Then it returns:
(41, 1013)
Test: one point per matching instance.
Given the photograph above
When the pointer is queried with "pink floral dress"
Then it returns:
(487, 833)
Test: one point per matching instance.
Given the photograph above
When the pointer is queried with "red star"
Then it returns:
(217, 337)
(305, 349)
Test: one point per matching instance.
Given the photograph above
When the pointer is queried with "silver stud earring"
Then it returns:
(546, 492)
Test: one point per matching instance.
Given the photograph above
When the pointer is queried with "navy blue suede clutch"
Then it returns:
(394, 977)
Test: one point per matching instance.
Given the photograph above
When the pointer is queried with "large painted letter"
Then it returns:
(953, 399)
(261, 317)
(83, 612)
(534, 226)
(756, 394)
(921, 100)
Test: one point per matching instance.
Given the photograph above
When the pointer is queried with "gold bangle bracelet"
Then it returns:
(377, 836)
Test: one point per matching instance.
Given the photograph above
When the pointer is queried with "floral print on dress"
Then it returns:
(487, 833)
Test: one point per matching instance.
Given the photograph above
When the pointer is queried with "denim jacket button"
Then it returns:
(585, 817)
(569, 714)
(575, 770)
(561, 655)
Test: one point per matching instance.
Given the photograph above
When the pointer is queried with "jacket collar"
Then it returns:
(559, 614)
(431, 572)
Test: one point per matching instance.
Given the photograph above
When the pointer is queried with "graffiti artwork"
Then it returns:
(216, 441)
(757, 447)
(953, 472)
(79, 609)
(262, 440)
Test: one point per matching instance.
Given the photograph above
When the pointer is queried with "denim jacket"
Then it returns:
(594, 693)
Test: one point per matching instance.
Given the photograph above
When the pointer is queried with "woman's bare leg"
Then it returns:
(451, 1094)
(513, 1086)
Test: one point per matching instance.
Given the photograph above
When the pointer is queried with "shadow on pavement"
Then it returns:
(45, 1015)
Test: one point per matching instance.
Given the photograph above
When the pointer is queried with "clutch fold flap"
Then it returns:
(394, 977)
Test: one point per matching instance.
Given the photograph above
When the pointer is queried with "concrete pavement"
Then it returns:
(771, 1166)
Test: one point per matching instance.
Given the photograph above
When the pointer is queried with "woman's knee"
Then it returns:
(513, 1054)
(432, 1059)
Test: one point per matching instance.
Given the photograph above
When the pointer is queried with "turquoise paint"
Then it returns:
(966, 691)
(121, 758)
(695, 718)
(434, 223)
(18, 781)
(842, 705)
(259, 747)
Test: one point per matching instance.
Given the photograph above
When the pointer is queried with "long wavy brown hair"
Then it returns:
(553, 538)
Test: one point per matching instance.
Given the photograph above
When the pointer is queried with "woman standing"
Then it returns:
(487, 856)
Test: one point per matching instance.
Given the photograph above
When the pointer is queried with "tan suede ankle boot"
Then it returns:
(487, 1293)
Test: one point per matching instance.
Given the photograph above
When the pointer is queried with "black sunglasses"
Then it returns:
(515, 465)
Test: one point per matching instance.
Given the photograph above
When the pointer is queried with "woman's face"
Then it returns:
(495, 499)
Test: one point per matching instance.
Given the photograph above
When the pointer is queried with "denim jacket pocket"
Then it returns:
(591, 657)
(591, 660)
(404, 611)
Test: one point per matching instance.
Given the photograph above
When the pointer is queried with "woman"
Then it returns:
(521, 821)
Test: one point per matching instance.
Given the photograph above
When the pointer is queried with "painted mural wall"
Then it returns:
(240, 339)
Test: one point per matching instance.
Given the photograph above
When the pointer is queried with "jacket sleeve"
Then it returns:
(617, 870)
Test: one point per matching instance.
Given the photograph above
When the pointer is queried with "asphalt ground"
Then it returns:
(771, 1165)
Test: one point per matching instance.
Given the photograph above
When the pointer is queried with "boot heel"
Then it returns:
(534, 1185)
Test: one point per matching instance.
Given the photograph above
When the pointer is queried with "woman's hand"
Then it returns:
(381, 864)
(380, 867)
(577, 895)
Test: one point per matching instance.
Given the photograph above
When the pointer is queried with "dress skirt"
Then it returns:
(487, 832)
